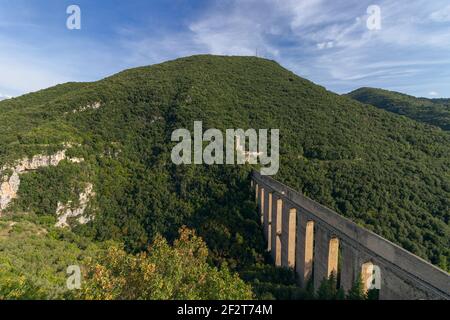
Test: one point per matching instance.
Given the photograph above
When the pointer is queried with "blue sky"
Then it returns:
(326, 41)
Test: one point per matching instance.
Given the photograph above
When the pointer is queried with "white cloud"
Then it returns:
(324, 40)
(442, 15)
(4, 96)
(241, 28)
(433, 93)
(325, 45)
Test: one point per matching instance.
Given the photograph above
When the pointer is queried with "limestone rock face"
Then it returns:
(40, 161)
(65, 211)
(9, 184)
(93, 106)
(8, 190)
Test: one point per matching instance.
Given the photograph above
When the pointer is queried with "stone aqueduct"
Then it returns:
(316, 241)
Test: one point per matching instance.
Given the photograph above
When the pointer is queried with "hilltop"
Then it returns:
(431, 111)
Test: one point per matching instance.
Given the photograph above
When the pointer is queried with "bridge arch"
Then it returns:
(333, 256)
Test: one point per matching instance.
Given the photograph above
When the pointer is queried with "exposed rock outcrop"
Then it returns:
(65, 211)
(10, 175)
(93, 106)
(8, 190)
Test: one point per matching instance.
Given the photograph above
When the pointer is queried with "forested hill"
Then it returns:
(432, 111)
(386, 172)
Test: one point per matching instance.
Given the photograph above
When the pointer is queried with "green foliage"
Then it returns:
(432, 111)
(328, 289)
(41, 190)
(270, 282)
(162, 273)
(357, 291)
(34, 258)
(373, 294)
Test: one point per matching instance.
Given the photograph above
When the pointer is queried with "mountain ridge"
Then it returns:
(431, 111)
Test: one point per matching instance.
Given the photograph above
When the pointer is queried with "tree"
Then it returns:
(373, 294)
(357, 291)
(328, 289)
(180, 271)
(310, 288)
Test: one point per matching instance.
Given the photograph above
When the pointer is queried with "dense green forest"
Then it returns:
(432, 111)
(385, 172)
(35, 257)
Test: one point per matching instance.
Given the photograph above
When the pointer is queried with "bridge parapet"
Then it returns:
(308, 237)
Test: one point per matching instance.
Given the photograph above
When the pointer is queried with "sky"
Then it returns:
(333, 43)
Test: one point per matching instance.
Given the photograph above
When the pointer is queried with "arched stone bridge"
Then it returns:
(316, 241)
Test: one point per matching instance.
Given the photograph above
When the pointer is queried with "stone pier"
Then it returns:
(316, 242)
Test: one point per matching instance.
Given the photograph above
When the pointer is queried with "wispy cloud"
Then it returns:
(441, 15)
(433, 93)
(4, 96)
(324, 40)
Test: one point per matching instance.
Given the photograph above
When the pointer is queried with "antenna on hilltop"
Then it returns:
(256, 53)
